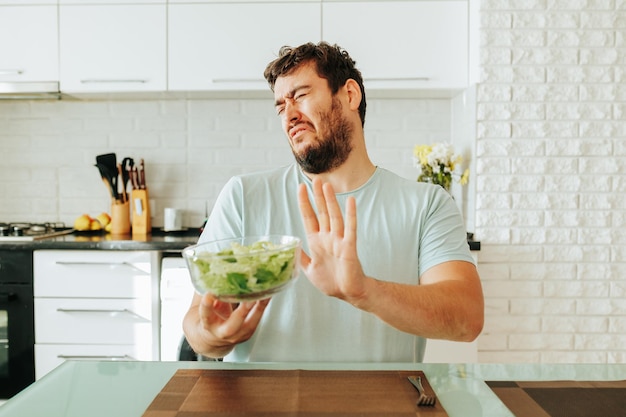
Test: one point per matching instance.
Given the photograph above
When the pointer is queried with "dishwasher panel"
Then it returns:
(176, 294)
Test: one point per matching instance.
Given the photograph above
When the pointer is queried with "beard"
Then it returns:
(332, 147)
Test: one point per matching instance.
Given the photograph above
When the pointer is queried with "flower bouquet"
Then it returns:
(439, 164)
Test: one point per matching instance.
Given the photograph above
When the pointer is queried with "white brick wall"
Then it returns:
(551, 182)
(191, 147)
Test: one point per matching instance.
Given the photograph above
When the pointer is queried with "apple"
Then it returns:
(104, 219)
(83, 222)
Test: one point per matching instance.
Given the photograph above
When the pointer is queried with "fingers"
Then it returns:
(333, 213)
(321, 205)
(243, 321)
(305, 260)
(228, 323)
(328, 216)
(350, 229)
(306, 211)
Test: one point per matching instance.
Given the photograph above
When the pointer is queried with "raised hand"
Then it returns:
(332, 265)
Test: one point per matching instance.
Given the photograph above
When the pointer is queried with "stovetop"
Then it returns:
(26, 231)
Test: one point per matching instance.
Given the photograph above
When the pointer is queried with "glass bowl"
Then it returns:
(244, 269)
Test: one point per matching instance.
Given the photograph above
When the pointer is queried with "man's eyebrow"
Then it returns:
(290, 94)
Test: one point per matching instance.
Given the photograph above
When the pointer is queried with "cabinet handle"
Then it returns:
(11, 72)
(104, 311)
(97, 357)
(6, 297)
(128, 264)
(398, 79)
(105, 81)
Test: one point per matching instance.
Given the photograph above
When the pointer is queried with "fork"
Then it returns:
(424, 399)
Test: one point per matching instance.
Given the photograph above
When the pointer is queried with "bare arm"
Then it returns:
(447, 305)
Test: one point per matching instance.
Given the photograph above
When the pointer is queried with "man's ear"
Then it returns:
(354, 94)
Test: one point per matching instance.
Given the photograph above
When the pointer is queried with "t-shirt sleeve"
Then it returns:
(443, 237)
(225, 220)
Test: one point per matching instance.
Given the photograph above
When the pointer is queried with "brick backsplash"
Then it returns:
(551, 182)
(191, 148)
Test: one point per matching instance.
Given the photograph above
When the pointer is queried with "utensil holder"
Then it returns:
(141, 212)
(120, 218)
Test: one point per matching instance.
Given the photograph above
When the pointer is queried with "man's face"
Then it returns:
(313, 119)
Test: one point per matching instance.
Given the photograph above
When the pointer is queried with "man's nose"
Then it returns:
(291, 111)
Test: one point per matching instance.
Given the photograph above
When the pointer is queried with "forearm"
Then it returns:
(450, 309)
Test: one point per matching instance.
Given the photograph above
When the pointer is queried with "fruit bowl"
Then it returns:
(244, 269)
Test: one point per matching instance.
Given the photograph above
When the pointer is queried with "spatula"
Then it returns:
(109, 160)
(106, 178)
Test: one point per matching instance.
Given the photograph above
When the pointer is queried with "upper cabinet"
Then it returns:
(226, 46)
(92, 46)
(28, 43)
(403, 44)
(112, 47)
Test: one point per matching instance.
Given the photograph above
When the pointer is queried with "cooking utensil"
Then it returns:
(142, 174)
(424, 399)
(120, 177)
(108, 160)
(108, 180)
(126, 164)
(134, 178)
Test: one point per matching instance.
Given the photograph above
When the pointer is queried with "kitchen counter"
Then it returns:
(81, 388)
(158, 240)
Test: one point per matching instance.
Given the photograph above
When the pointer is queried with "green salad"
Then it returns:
(242, 270)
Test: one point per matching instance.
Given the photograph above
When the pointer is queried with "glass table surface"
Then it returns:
(118, 388)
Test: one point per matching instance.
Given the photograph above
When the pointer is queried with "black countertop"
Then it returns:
(157, 240)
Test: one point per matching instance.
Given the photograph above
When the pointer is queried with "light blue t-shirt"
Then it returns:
(403, 229)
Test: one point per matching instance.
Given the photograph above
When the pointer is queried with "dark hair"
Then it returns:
(332, 62)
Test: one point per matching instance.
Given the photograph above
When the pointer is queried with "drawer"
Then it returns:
(96, 274)
(93, 321)
(48, 357)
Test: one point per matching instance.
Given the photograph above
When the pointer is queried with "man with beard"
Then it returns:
(386, 259)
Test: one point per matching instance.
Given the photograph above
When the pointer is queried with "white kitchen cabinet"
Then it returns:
(226, 46)
(95, 304)
(28, 43)
(112, 48)
(27, 2)
(401, 45)
(49, 356)
(242, 1)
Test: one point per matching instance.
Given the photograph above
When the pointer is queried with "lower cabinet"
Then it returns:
(95, 305)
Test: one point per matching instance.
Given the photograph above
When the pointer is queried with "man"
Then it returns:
(386, 259)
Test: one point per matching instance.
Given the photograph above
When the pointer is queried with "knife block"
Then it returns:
(141, 212)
